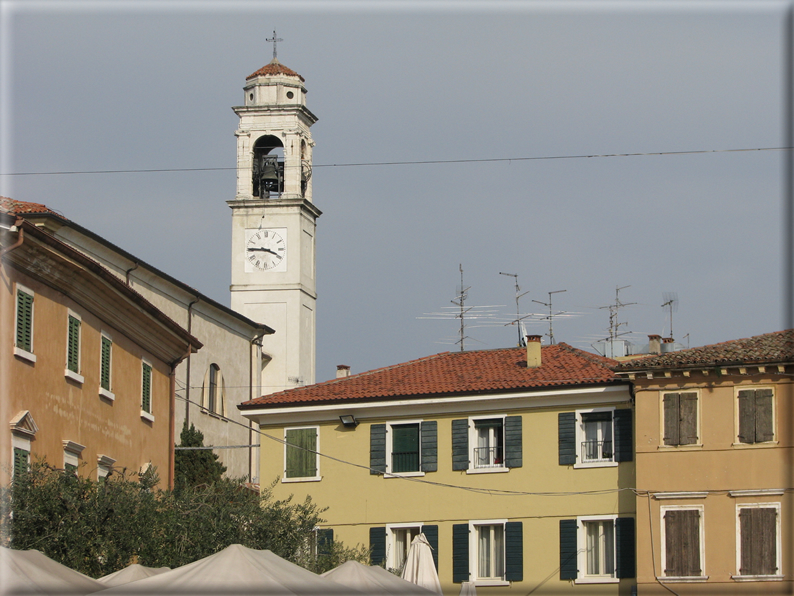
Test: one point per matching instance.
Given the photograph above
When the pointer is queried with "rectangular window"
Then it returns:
(597, 549)
(488, 450)
(21, 462)
(597, 444)
(146, 390)
(682, 542)
(105, 362)
(73, 345)
(600, 548)
(680, 418)
(398, 541)
(404, 448)
(301, 453)
(24, 320)
(756, 415)
(490, 552)
(759, 539)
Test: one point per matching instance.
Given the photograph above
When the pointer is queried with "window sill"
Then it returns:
(688, 447)
(494, 470)
(684, 579)
(596, 464)
(24, 354)
(213, 414)
(757, 578)
(147, 416)
(490, 582)
(106, 394)
(765, 444)
(403, 474)
(596, 580)
(70, 374)
(307, 479)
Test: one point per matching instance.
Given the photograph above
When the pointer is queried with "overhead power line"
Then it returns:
(408, 163)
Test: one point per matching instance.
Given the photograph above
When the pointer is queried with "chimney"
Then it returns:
(342, 371)
(533, 351)
(654, 344)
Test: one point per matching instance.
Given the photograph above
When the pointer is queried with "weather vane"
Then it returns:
(275, 40)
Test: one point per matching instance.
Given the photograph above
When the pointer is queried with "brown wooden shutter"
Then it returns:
(758, 541)
(682, 542)
(764, 420)
(747, 416)
(671, 415)
(688, 425)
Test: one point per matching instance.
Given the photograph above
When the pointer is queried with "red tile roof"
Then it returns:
(275, 68)
(20, 207)
(777, 348)
(454, 373)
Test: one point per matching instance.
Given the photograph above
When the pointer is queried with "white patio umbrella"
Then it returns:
(468, 589)
(419, 567)
(373, 580)
(237, 571)
(30, 572)
(129, 574)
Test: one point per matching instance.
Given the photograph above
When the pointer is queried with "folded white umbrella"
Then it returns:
(25, 572)
(468, 589)
(373, 580)
(419, 567)
(129, 574)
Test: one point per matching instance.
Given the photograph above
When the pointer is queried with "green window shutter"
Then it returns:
(514, 551)
(429, 434)
(625, 547)
(460, 552)
(377, 545)
(73, 345)
(146, 389)
(568, 548)
(460, 448)
(764, 420)
(624, 442)
(513, 442)
(431, 533)
(104, 376)
(377, 449)
(566, 428)
(20, 462)
(325, 540)
(747, 416)
(688, 419)
(405, 448)
(301, 453)
(24, 321)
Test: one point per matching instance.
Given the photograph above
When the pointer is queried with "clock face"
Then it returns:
(266, 250)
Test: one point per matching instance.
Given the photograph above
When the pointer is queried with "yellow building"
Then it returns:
(87, 363)
(517, 464)
(714, 467)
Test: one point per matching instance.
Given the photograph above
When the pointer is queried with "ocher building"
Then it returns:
(714, 467)
(87, 363)
(517, 464)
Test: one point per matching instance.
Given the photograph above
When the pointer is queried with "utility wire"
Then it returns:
(407, 163)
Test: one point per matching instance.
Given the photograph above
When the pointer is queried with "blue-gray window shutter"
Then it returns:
(566, 425)
(325, 538)
(568, 546)
(624, 443)
(377, 449)
(429, 438)
(377, 545)
(514, 551)
(625, 547)
(460, 553)
(460, 445)
(513, 442)
(431, 533)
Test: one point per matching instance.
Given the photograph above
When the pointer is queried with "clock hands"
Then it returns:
(262, 249)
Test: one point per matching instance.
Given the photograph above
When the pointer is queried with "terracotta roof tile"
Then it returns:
(21, 207)
(777, 347)
(448, 373)
(275, 68)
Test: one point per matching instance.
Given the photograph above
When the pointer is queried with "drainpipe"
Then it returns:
(20, 237)
(172, 416)
(127, 273)
(187, 373)
(257, 341)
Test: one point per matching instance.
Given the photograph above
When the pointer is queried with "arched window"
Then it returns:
(268, 167)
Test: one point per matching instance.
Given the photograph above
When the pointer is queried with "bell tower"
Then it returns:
(274, 221)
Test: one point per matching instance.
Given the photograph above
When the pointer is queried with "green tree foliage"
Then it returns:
(194, 467)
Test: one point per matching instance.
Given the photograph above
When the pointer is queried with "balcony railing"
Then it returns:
(488, 457)
(405, 461)
(597, 451)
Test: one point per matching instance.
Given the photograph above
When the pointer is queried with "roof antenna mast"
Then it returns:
(614, 325)
(463, 293)
(522, 340)
(670, 301)
(275, 40)
(551, 315)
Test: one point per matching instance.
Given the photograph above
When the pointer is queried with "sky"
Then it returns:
(510, 97)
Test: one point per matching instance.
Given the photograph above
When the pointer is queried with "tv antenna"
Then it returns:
(670, 302)
(522, 340)
(551, 314)
(614, 325)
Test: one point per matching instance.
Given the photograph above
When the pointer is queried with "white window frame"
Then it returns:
(474, 552)
(663, 537)
(389, 449)
(71, 453)
(107, 393)
(24, 354)
(144, 414)
(736, 442)
(581, 551)
(580, 438)
(104, 465)
(317, 477)
(473, 469)
(70, 374)
(699, 443)
(391, 530)
(778, 543)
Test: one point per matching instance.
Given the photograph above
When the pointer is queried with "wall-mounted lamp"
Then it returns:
(349, 421)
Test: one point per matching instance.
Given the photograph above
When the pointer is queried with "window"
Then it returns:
(23, 343)
(389, 545)
(146, 391)
(487, 444)
(756, 409)
(595, 437)
(73, 344)
(758, 540)
(301, 457)
(71, 455)
(680, 418)
(105, 362)
(104, 467)
(682, 541)
(21, 462)
(213, 391)
(488, 552)
(405, 447)
(597, 549)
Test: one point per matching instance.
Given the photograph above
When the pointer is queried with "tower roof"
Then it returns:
(274, 67)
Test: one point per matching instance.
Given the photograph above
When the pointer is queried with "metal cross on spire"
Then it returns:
(275, 40)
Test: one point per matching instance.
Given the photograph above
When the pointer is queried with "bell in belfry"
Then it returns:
(266, 176)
